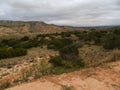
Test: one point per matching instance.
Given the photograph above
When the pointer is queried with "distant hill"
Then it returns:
(16, 29)
(26, 27)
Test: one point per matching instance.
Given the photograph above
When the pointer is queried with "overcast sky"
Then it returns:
(63, 12)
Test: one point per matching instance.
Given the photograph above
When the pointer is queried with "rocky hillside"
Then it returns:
(25, 27)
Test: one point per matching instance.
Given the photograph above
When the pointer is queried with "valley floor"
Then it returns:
(104, 77)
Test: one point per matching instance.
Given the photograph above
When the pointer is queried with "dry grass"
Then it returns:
(116, 54)
(32, 54)
(26, 74)
(94, 55)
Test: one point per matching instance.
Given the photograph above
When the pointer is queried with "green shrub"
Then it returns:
(56, 44)
(60, 62)
(112, 41)
(27, 44)
(69, 58)
(56, 61)
(10, 42)
(69, 52)
(25, 38)
(10, 52)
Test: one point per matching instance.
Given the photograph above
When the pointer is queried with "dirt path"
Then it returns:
(106, 77)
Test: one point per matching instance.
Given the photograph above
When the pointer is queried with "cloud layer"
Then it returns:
(63, 12)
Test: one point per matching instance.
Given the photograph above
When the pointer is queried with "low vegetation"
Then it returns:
(68, 58)
(66, 43)
(10, 52)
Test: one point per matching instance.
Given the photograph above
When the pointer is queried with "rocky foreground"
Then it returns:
(104, 77)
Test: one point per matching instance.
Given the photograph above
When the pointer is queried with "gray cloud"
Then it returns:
(65, 12)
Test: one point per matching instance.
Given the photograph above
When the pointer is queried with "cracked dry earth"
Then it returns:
(104, 77)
